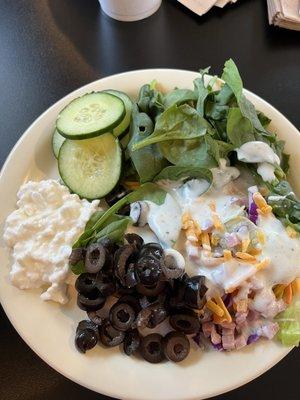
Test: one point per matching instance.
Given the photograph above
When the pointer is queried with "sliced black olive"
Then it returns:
(148, 270)
(85, 283)
(109, 245)
(152, 249)
(176, 346)
(109, 335)
(185, 321)
(122, 257)
(151, 316)
(85, 340)
(116, 195)
(94, 302)
(134, 239)
(95, 317)
(178, 292)
(86, 336)
(130, 277)
(125, 210)
(173, 264)
(133, 301)
(87, 324)
(77, 255)
(151, 348)
(131, 342)
(94, 258)
(106, 287)
(122, 316)
(194, 292)
(151, 291)
(139, 213)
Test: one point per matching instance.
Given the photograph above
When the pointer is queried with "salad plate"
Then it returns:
(48, 327)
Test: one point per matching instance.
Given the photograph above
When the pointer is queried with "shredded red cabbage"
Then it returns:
(252, 339)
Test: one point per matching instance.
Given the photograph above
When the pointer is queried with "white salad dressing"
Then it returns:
(41, 233)
(262, 154)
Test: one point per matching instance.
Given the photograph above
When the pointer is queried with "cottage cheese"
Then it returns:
(41, 232)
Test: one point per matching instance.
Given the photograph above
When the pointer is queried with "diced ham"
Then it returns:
(207, 328)
(215, 337)
(228, 341)
(240, 341)
(268, 329)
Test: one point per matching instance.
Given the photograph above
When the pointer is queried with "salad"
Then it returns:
(175, 216)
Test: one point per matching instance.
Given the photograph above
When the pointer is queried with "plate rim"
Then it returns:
(229, 387)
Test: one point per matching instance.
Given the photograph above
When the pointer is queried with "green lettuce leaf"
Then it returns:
(289, 324)
(176, 173)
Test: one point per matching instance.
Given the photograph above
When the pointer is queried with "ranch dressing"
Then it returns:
(262, 154)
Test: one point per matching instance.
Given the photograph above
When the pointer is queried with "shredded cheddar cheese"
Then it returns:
(278, 291)
(245, 256)
(216, 309)
(245, 245)
(205, 241)
(296, 286)
(221, 304)
(263, 264)
(291, 232)
(261, 237)
(227, 255)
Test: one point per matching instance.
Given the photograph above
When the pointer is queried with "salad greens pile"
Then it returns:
(183, 134)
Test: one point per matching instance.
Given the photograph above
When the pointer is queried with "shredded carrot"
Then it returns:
(216, 309)
(288, 294)
(296, 286)
(265, 210)
(223, 307)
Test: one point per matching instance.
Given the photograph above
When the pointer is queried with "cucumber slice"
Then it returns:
(90, 115)
(124, 124)
(57, 141)
(91, 168)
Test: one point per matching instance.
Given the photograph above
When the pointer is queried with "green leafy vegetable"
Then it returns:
(239, 129)
(233, 79)
(150, 100)
(289, 324)
(115, 229)
(176, 173)
(186, 153)
(179, 96)
(177, 122)
(78, 268)
(147, 191)
(264, 120)
(148, 161)
(285, 204)
(202, 91)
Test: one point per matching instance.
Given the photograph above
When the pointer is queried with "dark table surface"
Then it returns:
(51, 47)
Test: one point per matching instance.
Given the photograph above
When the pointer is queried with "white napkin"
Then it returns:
(284, 13)
(201, 7)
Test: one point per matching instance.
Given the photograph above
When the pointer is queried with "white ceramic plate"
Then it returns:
(49, 328)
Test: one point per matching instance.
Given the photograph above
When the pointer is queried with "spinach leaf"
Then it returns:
(150, 100)
(202, 91)
(186, 153)
(217, 148)
(177, 122)
(147, 191)
(285, 204)
(179, 96)
(115, 230)
(233, 79)
(148, 161)
(78, 268)
(218, 103)
(239, 129)
(176, 173)
(264, 120)
(93, 219)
